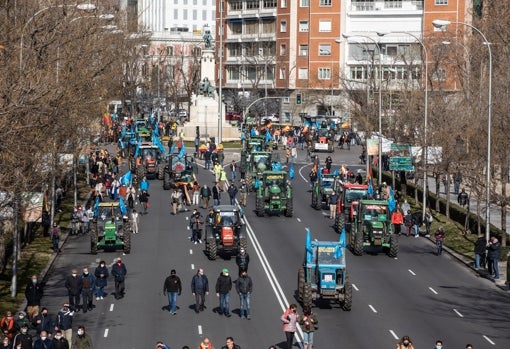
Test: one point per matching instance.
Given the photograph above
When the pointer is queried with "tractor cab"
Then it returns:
(225, 233)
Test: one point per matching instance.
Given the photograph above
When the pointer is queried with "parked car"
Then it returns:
(233, 116)
(271, 117)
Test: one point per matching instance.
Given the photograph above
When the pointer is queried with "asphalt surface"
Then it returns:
(419, 294)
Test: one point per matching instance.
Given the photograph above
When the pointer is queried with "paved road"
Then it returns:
(417, 294)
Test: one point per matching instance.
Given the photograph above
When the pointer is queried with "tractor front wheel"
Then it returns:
(289, 210)
(393, 251)
(93, 240)
(307, 295)
(358, 244)
(301, 283)
(211, 249)
(259, 207)
(339, 222)
(126, 238)
(347, 302)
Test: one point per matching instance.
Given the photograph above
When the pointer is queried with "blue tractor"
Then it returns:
(323, 276)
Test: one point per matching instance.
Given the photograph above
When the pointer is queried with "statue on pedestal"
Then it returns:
(207, 38)
(205, 89)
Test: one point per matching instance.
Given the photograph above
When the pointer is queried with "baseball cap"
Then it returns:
(224, 271)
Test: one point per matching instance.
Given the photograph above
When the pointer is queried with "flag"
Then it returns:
(121, 144)
(172, 149)
(256, 184)
(123, 134)
(317, 125)
(182, 152)
(122, 206)
(335, 173)
(291, 171)
(370, 189)
(155, 130)
(138, 148)
(96, 206)
(157, 142)
(151, 118)
(276, 166)
(342, 240)
(268, 136)
(309, 250)
(332, 125)
(319, 173)
(126, 179)
(307, 123)
(392, 203)
(341, 245)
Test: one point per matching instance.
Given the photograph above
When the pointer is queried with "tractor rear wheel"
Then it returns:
(289, 210)
(167, 185)
(358, 244)
(161, 171)
(126, 238)
(93, 239)
(211, 248)
(249, 181)
(301, 283)
(140, 172)
(347, 302)
(307, 295)
(259, 206)
(315, 199)
(339, 222)
(132, 164)
(393, 251)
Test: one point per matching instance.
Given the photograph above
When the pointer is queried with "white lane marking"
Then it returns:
(111, 306)
(458, 313)
(298, 219)
(372, 308)
(412, 272)
(355, 287)
(488, 340)
(187, 227)
(394, 334)
(200, 330)
(192, 266)
(186, 217)
(301, 174)
(432, 290)
(190, 251)
(105, 333)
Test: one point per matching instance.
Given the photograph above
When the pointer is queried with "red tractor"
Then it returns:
(350, 196)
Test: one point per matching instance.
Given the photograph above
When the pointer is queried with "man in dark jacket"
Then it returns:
(242, 260)
(33, 293)
(244, 287)
(480, 249)
(205, 193)
(43, 322)
(172, 288)
(223, 287)
(87, 290)
(216, 193)
(65, 322)
(493, 252)
(119, 272)
(73, 285)
(43, 342)
(232, 192)
(23, 338)
(199, 289)
(59, 341)
(463, 197)
(417, 222)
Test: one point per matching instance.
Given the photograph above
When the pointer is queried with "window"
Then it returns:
(184, 2)
(441, 2)
(194, 15)
(303, 26)
(176, 2)
(176, 14)
(439, 74)
(233, 72)
(204, 2)
(169, 50)
(392, 3)
(324, 50)
(282, 73)
(204, 15)
(283, 3)
(325, 26)
(197, 51)
(283, 50)
(236, 28)
(304, 3)
(303, 73)
(283, 26)
(325, 3)
(358, 73)
(251, 27)
(185, 14)
(269, 26)
(303, 50)
(195, 2)
(391, 50)
(235, 5)
(252, 4)
(269, 3)
(324, 73)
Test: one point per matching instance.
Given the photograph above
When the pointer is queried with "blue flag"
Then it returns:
(157, 142)
(121, 144)
(256, 184)
(172, 149)
(268, 136)
(126, 179)
(155, 130)
(342, 240)
(182, 152)
(122, 206)
(138, 148)
(123, 134)
(392, 203)
(317, 125)
(370, 189)
(319, 173)
(307, 123)
(96, 207)
(253, 132)
(276, 166)
(309, 250)
(291, 171)
(335, 173)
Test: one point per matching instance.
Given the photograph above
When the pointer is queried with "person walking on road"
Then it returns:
(289, 319)
(308, 322)
(242, 260)
(43, 342)
(199, 289)
(65, 322)
(333, 201)
(244, 288)
(144, 200)
(493, 252)
(243, 189)
(33, 294)
(59, 341)
(233, 170)
(230, 344)
(87, 290)
(135, 220)
(101, 273)
(73, 285)
(397, 219)
(172, 288)
(232, 192)
(405, 343)
(82, 340)
(223, 288)
(216, 193)
(417, 222)
(195, 224)
(55, 237)
(119, 272)
(439, 236)
(428, 221)
(463, 198)
(175, 200)
(205, 193)
(480, 250)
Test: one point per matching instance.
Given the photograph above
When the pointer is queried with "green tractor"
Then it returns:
(176, 172)
(323, 276)
(225, 233)
(254, 164)
(372, 228)
(274, 194)
(326, 185)
(110, 229)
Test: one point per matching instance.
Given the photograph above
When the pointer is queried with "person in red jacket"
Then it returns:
(7, 324)
(397, 219)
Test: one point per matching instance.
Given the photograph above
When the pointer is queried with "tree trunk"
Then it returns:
(447, 196)
(438, 188)
(504, 179)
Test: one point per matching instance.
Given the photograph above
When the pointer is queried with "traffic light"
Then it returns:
(298, 98)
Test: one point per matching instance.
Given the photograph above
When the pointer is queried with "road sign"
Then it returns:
(401, 163)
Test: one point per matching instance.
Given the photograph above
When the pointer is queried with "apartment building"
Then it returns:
(317, 48)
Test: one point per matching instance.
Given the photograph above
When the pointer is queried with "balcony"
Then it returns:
(385, 6)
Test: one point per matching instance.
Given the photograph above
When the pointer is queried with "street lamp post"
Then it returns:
(425, 116)
(220, 72)
(347, 36)
(442, 24)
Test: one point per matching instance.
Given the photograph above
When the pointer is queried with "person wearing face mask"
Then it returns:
(199, 289)
(405, 343)
(289, 319)
(439, 344)
(59, 342)
(23, 339)
(43, 322)
(119, 272)
(21, 320)
(101, 274)
(65, 322)
(73, 285)
(43, 342)
(33, 294)
(87, 290)
(82, 340)
(244, 287)
(6, 343)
